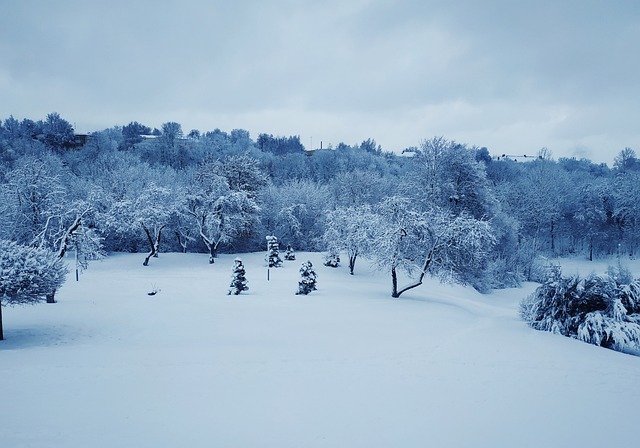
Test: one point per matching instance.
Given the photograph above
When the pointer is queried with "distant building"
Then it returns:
(79, 140)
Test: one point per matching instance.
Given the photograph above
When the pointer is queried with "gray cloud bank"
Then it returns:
(512, 76)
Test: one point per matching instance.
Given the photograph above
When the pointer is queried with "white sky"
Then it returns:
(514, 76)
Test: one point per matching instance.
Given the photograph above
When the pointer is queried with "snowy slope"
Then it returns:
(346, 366)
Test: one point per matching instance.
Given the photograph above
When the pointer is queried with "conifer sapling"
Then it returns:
(332, 259)
(308, 279)
(238, 278)
(289, 255)
(273, 252)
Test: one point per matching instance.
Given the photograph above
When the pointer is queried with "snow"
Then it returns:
(345, 366)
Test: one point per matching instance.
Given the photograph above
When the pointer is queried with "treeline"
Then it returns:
(138, 189)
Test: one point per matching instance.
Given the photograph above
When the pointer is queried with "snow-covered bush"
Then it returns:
(332, 259)
(289, 255)
(28, 275)
(308, 279)
(238, 278)
(598, 310)
(273, 252)
(630, 297)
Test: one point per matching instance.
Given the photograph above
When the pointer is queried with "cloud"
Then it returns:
(494, 73)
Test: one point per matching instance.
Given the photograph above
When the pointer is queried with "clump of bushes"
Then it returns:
(332, 259)
(602, 310)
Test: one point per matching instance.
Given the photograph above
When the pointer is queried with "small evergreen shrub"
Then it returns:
(308, 279)
(273, 252)
(332, 259)
(238, 278)
(289, 255)
(598, 310)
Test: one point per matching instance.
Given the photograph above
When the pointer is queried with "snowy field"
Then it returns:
(346, 366)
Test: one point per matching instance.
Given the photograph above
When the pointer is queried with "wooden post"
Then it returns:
(1, 333)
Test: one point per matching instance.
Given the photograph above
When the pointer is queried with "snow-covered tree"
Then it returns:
(86, 245)
(120, 178)
(219, 213)
(58, 133)
(590, 216)
(357, 186)
(182, 225)
(243, 173)
(238, 278)
(626, 161)
(287, 167)
(76, 234)
(350, 230)
(273, 252)
(82, 161)
(149, 210)
(436, 242)
(626, 211)
(39, 209)
(308, 279)
(27, 275)
(290, 254)
(154, 218)
(34, 198)
(446, 174)
(132, 134)
(539, 199)
(295, 212)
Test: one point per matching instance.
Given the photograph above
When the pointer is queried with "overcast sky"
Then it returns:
(514, 76)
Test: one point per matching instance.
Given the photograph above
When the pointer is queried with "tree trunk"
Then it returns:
(155, 245)
(210, 245)
(213, 253)
(352, 263)
(51, 297)
(152, 246)
(394, 278)
(553, 240)
(181, 242)
(394, 283)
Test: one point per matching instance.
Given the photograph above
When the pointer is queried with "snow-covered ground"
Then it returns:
(346, 366)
